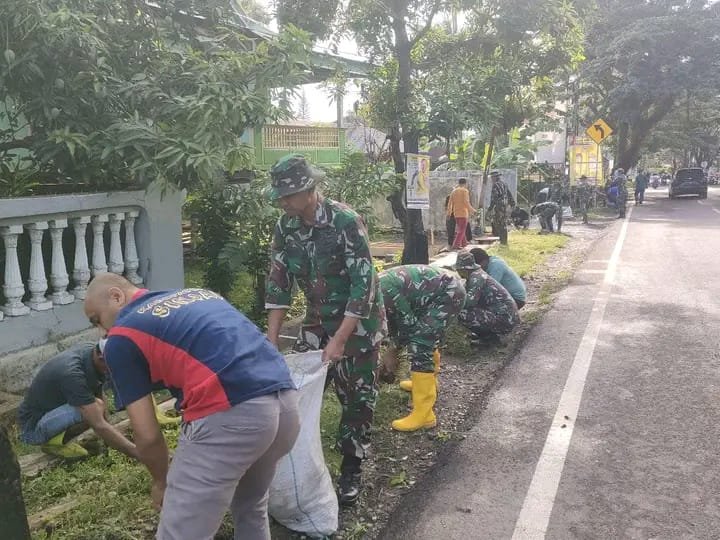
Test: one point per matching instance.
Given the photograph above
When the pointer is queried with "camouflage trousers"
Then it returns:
(355, 379)
(499, 226)
(422, 334)
(583, 206)
(546, 220)
(484, 321)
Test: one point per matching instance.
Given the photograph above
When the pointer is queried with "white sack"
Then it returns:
(302, 497)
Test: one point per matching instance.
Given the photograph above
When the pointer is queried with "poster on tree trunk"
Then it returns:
(417, 183)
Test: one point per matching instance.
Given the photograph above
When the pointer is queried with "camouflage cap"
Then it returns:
(291, 174)
(466, 261)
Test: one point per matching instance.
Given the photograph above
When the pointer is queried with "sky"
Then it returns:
(321, 107)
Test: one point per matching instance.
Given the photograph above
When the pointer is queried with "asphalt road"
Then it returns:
(606, 425)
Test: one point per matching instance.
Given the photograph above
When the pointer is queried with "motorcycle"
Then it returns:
(655, 183)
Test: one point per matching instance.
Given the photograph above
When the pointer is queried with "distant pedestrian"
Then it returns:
(560, 194)
(461, 210)
(546, 212)
(641, 184)
(489, 310)
(620, 182)
(584, 194)
(500, 200)
(238, 402)
(501, 272)
(450, 224)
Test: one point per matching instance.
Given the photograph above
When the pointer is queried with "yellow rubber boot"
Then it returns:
(407, 384)
(162, 418)
(424, 395)
(71, 450)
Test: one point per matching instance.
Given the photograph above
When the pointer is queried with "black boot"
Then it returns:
(350, 481)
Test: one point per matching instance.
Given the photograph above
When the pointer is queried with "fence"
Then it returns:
(282, 137)
(441, 184)
(322, 145)
(52, 247)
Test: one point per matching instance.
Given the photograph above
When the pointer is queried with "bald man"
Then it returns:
(238, 402)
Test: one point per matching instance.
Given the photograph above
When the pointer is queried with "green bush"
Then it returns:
(358, 182)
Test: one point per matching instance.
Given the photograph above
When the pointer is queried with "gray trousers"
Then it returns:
(227, 460)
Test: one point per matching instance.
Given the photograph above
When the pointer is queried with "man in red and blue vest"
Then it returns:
(238, 402)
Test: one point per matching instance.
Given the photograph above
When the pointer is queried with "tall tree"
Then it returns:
(131, 92)
(437, 79)
(439, 82)
(690, 134)
(302, 109)
(643, 57)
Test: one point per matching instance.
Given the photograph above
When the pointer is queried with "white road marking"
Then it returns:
(701, 202)
(716, 210)
(532, 523)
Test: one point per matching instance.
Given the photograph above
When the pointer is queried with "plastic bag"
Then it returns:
(302, 497)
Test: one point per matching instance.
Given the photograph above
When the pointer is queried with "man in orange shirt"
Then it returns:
(460, 208)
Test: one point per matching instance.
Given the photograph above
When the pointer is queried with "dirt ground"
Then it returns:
(400, 459)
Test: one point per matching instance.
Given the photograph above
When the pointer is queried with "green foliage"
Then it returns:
(236, 226)
(498, 70)
(253, 221)
(690, 134)
(358, 182)
(109, 93)
(526, 250)
(314, 16)
(213, 210)
(643, 57)
(470, 154)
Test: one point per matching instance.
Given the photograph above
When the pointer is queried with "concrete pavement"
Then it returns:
(606, 424)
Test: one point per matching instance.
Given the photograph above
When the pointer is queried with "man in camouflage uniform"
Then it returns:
(584, 194)
(500, 199)
(489, 309)
(620, 180)
(545, 213)
(323, 246)
(419, 302)
(560, 194)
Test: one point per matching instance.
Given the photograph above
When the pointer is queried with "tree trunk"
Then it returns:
(484, 181)
(631, 138)
(415, 249)
(13, 517)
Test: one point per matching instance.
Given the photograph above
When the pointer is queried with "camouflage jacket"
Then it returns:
(560, 193)
(584, 193)
(547, 209)
(412, 291)
(500, 199)
(484, 293)
(331, 262)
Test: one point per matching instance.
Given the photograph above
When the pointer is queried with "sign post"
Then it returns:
(598, 132)
(417, 178)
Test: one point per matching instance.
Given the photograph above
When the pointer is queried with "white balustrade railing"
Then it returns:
(116, 253)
